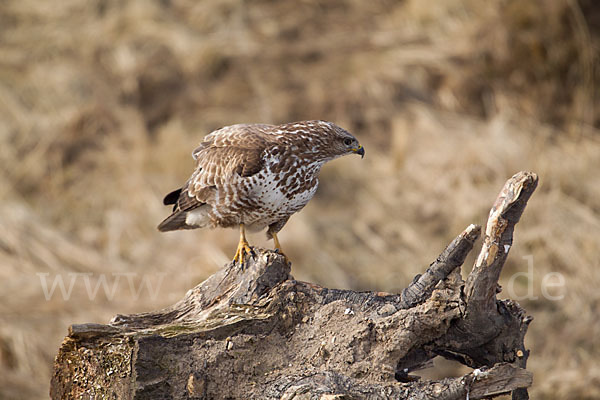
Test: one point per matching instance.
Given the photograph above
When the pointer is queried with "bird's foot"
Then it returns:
(279, 251)
(242, 251)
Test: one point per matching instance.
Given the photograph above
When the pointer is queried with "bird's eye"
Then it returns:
(347, 141)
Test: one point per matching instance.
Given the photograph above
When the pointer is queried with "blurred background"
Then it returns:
(102, 102)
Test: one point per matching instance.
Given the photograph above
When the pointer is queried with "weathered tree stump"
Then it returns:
(258, 333)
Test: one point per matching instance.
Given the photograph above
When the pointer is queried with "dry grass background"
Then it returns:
(102, 101)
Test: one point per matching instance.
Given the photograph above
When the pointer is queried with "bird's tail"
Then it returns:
(174, 222)
(186, 219)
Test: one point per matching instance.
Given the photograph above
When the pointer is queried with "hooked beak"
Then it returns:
(360, 151)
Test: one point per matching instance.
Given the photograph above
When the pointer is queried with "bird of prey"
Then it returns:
(256, 176)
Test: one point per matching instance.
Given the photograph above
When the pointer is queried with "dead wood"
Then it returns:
(258, 333)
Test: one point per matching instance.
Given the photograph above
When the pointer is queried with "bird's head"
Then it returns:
(339, 142)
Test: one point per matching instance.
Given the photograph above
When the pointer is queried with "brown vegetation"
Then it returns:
(101, 103)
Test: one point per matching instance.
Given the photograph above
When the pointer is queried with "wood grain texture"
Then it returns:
(257, 333)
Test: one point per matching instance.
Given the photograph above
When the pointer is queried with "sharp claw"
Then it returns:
(287, 260)
(243, 247)
(241, 252)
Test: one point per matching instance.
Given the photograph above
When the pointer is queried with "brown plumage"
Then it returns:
(256, 176)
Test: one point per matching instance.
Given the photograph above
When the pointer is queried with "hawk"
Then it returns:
(256, 176)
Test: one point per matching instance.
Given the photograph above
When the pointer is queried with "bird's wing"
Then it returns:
(234, 150)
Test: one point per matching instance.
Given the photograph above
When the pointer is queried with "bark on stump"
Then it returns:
(258, 333)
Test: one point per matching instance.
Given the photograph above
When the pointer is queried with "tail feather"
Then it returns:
(174, 222)
(186, 219)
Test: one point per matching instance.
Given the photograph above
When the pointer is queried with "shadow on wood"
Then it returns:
(258, 333)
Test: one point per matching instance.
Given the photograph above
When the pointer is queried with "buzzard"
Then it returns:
(256, 176)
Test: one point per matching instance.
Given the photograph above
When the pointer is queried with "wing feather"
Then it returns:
(236, 149)
(233, 150)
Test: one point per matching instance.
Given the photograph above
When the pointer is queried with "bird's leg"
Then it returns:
(278, 246)
(243, 247)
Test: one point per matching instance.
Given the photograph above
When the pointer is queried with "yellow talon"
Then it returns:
(243, 247)
(278, 247)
